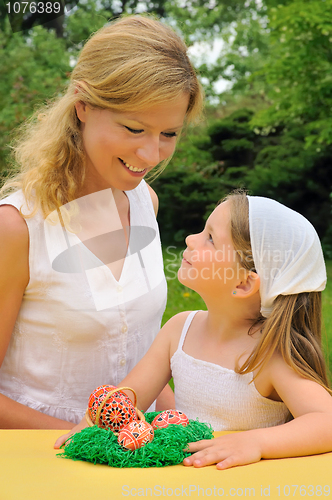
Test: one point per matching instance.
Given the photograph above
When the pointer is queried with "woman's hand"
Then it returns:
(226, 451)
(62, 439)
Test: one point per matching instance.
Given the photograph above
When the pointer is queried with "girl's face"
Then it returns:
(121, 148)
(210, 260)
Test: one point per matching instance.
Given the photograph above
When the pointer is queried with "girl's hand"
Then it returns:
(226, 451)
(62, 439)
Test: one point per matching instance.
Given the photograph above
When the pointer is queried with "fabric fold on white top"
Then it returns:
(286, 250)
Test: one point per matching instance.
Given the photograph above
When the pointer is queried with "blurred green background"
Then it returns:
(266, 66)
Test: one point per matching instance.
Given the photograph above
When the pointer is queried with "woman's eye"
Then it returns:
(210, 238)
(134, 130)
(170, 134)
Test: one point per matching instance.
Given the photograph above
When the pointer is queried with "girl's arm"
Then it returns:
(166, 399)
(309, 433)
(151, 374)
(14, 277)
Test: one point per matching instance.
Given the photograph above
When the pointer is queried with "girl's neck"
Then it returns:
(229, 320)
(226, 329)
(216, 340)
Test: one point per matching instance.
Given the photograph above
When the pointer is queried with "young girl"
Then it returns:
(252, 362)
(82, 288)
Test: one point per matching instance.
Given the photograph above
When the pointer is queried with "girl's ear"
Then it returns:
(248, 286)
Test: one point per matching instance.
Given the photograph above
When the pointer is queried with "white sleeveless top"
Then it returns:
(78, 330)
(220, 396)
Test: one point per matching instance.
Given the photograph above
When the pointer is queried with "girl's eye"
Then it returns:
(170, 134)
(134, 130)
(210, 238)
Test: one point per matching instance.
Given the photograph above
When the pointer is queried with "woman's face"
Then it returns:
(121, 148)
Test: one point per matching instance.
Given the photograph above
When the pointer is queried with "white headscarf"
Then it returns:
(286, 250)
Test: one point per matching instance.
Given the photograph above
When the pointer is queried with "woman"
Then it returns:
(83, 291)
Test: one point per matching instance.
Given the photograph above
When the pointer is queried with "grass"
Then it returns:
(327, 316)
(181, 298)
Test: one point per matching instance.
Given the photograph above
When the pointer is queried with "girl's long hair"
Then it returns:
(294, 327)
(129, 65)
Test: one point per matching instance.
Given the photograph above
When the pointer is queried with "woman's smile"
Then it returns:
(134, 170)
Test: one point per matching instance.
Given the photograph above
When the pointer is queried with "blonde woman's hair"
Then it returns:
(129, 65)
(294, 327)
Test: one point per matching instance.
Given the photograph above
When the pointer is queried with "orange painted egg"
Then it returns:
(135, 435)
(168, 417)
(117, 411)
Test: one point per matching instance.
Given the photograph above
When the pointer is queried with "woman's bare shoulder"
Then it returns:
(11, 219)
(14, 243)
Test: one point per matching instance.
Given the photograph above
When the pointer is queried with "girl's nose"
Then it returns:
(190, 240)
(149, 152)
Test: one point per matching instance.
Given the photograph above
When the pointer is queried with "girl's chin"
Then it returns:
(183, 279)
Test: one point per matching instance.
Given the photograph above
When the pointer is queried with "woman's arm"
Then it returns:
(309, 433)
(14, 415)
(14, 273)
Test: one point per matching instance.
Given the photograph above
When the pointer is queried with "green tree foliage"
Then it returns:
(228, 154)
(186, 190)
(201, 19)
(90, 15)
(33, 70)
(241, 26)
(277, 164)
(82, 22)
(29, 16)
(298, 71)
(298, 81)
(244, 52)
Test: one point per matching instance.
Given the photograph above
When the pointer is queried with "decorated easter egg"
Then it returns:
(116, 412)
(135, 435)
(169, 417)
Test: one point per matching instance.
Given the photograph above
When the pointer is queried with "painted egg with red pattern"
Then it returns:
(167, 417)
(135, 435)
(117, 411)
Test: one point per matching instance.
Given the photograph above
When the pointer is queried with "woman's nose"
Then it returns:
(149, 152)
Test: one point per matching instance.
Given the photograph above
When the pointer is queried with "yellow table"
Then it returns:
(30, 470)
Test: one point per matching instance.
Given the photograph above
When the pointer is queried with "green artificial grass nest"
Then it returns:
(100, 446)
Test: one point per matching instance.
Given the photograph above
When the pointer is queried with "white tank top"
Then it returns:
(220, 396)
(76, 331)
